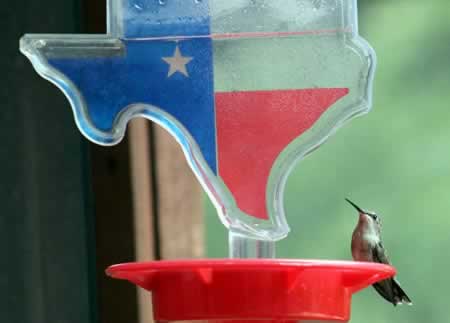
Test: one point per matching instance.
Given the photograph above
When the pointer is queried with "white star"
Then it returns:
(177, 63)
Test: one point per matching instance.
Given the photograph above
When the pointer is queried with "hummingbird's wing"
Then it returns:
(379, 254)
(389, 288)
(384, 287)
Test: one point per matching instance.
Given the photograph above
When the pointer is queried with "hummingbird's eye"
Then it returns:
(374, 216)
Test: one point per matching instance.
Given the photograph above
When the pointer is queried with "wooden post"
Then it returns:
(180, 209)
(143, 205)
(167, 203)
(155, 205)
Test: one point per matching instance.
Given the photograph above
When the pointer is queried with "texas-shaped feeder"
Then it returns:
(247, 88)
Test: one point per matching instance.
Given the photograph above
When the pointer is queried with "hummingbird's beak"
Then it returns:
(355, 206)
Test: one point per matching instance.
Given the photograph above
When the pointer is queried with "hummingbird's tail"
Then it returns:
(399, 294)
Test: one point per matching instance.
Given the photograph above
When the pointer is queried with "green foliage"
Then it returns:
(395, 161)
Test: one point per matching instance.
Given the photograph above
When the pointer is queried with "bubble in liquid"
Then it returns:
(317, 4)
(163, 2)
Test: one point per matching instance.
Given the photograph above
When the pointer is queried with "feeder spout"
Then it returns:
(241, 246)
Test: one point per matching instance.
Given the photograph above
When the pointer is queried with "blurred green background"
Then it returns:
(395, 161)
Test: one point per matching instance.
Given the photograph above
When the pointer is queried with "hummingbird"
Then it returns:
(367, 246)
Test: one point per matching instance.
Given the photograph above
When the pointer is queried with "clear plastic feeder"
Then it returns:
(247, 88)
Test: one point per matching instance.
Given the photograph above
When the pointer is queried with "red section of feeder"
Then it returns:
(253, 128)
(277, 290)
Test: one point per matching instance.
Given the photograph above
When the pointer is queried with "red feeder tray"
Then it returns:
(239, 290)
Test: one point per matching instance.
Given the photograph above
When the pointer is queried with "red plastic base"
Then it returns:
(275, 290)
